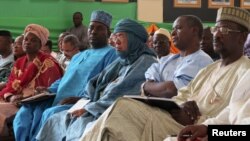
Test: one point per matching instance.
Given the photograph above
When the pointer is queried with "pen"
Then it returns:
(184, 135)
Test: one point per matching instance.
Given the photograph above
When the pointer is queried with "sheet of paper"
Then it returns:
(79, 105)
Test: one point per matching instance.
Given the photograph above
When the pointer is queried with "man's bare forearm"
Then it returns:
(160, 89)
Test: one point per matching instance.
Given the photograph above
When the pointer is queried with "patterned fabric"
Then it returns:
(24, 78)
(102, 17)
(235, 14)
(37, 73)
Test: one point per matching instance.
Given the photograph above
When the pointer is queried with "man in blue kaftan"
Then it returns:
(83, 66)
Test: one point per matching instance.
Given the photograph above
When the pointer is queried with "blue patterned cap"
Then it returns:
(102, 17)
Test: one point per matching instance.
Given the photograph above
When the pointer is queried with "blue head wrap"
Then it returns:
(137, 37)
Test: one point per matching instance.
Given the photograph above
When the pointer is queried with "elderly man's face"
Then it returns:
(121, 41)
(69, 50)
(97, 34)
(31, 43)
(227, 44)
(161, 45)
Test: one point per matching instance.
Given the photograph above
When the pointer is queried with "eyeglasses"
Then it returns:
(223, 30)
(69, 50)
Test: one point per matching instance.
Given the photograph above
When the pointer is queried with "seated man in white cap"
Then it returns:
(83, 66)
(204, 97)
(161, 42)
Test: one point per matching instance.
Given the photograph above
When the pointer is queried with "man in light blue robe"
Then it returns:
(175, 71)
(122, 77)
(180, 70)
(83, 66)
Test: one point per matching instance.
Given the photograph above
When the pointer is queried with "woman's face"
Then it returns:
(31, 43)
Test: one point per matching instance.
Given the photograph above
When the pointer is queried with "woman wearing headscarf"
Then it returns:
(32, 70)
(123, 77)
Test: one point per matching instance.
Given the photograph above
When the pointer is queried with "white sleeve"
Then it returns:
(222, 118)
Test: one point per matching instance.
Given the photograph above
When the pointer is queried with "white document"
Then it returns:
(79, 105)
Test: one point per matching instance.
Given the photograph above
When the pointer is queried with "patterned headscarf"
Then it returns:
(137, 37)
(41, 32)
